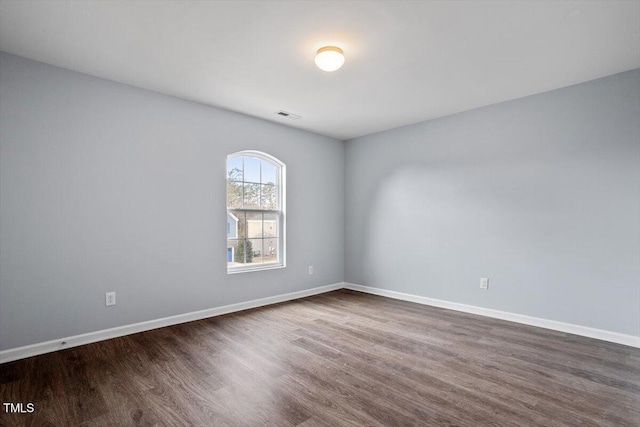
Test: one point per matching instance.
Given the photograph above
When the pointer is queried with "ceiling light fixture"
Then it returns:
(329, 58)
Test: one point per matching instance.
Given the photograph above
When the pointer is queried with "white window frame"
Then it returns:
(282, 212)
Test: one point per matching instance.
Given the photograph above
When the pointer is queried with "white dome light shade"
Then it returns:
(329, 58)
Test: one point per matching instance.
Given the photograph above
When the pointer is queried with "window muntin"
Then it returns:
(255, 212)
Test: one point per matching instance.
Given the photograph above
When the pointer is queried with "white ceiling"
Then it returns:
(406, 61)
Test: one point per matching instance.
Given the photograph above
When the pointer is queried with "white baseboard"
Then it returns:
(105, 334)
(585, 331)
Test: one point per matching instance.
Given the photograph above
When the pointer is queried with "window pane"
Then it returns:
(237, 222)
(270, 225)
(270, 250)
(244, 253)
(232, 226)
(251, 169)
(252, 196)
(269, 197)
(234, 168)
(256, 247)
(234, 194)
(254, 225)
(233, 256)
(269, 173)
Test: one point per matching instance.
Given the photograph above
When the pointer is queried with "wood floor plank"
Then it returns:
(342, 358)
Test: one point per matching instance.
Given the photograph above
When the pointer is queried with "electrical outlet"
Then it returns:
(110, 298)
(311, 269)
(484, 283)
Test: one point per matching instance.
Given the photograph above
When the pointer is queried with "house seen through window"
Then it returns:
(255, 214)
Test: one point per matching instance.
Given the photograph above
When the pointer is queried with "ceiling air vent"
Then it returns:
(288, 115)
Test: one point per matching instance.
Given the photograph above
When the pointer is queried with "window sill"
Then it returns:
(237, 270)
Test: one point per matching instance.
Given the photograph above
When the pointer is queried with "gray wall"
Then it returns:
(105, 187)
(541, 195)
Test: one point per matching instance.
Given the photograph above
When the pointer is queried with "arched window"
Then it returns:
(255, 212)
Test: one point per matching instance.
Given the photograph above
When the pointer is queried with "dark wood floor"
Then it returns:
(342, 358)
